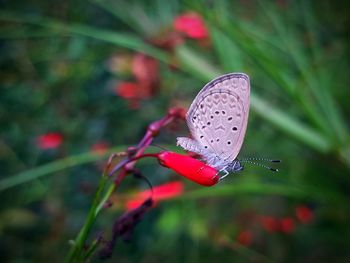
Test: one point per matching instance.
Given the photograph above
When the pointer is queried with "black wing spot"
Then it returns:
(202, 106)
(212, 141)
(206, 147)
(234, 128)
(201, 136)
(217, 112)
(230, 119)
(217, 139)
(229, 142)
(223, 112)
(203, 127)
(208, 123)
(211, 117)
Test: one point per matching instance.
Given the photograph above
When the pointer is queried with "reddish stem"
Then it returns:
(152, 131)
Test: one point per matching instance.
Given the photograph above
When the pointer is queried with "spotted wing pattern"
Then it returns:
(218, 116)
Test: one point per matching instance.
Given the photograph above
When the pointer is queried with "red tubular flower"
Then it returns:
(287, 225)
(190, 168)
(49, 140)
(245, 238)
(304, 214)
(161, 192)
(192, 25)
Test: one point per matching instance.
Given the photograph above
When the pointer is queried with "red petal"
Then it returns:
(304, 214)
(192, 25)
(127, 90)
(160, 192)
(190, 168)
(49, 140)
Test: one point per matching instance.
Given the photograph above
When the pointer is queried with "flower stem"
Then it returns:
(75, 254)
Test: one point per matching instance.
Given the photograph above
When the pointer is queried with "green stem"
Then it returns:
(91, 250)
(104, 199)
(75, 254)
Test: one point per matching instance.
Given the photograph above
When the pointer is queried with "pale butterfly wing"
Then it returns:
(218, 116)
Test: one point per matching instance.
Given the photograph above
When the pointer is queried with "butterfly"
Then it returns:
(217, 119)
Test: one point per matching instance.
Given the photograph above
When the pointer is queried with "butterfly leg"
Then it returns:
(225, 173)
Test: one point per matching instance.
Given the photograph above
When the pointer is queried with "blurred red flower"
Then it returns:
(192, 25)
(269, 223)
(49, 140)
(100, 147)
(245, 238)
(287, 225)
(130, 91)
(127, 90)
(304, 214)
(145, 72)
(161, 192)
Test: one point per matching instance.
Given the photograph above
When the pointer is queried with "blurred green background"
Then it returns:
(96, 73)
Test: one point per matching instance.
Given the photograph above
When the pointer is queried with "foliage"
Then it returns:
(63, 64)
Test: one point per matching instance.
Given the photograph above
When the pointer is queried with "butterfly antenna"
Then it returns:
(158, 146)
(259, 164)
(261, 159)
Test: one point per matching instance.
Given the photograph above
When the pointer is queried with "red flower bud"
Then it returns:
(304, 214)
(190, 168)
(287, 225)
(192, 25)
(245, 238)
(49, 140)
